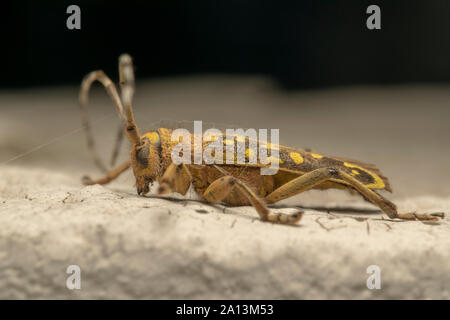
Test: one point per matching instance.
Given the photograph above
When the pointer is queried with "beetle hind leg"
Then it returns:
(315, 177)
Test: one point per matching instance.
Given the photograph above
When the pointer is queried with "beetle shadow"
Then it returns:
(338, 210)
(221, 208)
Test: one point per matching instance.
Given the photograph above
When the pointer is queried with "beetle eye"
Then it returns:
(142, 155)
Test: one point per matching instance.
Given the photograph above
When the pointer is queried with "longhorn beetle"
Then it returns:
(233, 184)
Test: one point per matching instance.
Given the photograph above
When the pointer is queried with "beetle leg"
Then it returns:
(315, 177)
(175, 178)
(111, 175)
(222, 187)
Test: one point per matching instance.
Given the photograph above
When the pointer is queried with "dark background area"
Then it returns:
(301, 44)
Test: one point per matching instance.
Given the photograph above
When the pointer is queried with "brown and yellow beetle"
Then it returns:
(234, 184)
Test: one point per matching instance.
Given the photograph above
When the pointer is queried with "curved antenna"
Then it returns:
(119, 139)
(101, 77)
(126, 114)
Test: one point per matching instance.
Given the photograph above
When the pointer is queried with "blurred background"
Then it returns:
(300, 44)
(310, 68)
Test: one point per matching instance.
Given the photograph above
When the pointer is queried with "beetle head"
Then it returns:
(146, 161)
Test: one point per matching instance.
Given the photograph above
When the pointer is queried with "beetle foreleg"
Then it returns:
(111, 175)
(175, 178)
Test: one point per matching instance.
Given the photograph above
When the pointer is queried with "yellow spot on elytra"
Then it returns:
(355, 172)
(296, 157)
(378, 182)
(228, 142)
(152, 136)
(272, 159)
(316, 155)
(249, 153)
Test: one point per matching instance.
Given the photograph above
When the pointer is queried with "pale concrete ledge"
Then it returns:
(133, 247)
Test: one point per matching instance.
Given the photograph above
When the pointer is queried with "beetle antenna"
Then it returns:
(126, 114)
(100, 76)
(127, 85)
(119, 139)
